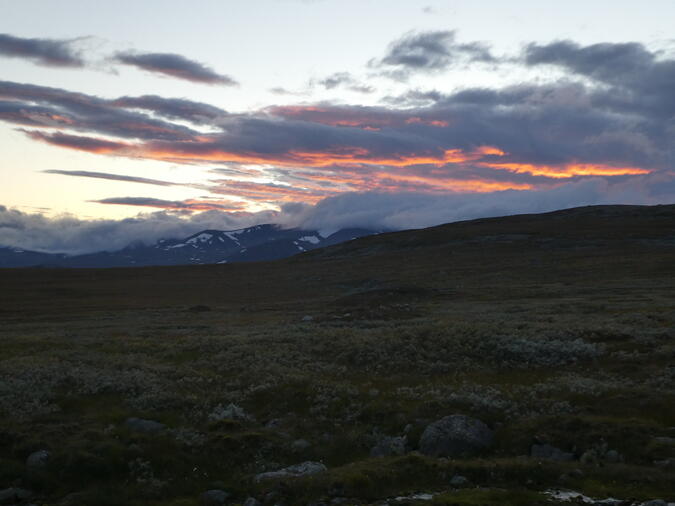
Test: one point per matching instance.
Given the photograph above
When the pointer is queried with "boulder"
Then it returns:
(388, 446)
(14, 494)
(214, 498)
(300, 445)
(546, 451)
(229, 412)
(304, 469)
(459, 481)
(38, 459)
(455, 436)
(145, 426)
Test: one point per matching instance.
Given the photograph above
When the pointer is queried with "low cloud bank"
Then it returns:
(392, 211)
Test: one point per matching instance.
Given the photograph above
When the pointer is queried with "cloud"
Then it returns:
(50, 52)
(112, 177)
(376, 210)
(641, 81)
(431, 51)
(344, 80)
(173, 108)
(174, 65)
(188, 205)
(45, 107)
(72, 235)
(533, 136)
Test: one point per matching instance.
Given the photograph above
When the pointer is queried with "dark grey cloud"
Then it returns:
(393, 211)
(51, 52)
(111, 177)
(173, 108)
(538, 134)
(396, 211)
(640, 79)
(344, 80)
(69, 234)
(176, 205)
(431, 51)
(174, 65)
(41, 106)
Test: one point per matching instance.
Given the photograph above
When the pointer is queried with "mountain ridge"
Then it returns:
(209, 246)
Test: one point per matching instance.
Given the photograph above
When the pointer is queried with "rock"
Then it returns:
(146, 426)
(664, 440)
(665, 463)
(388, 446)
(589, 457)
(612, 456)
(38, 459)
(300, 445)
(307, 318)
(655, 502)
(14, 494)
(407, 428)
(454, 436)
(459, 481)
(200, 308)
(252, 501)
(213, 498)
(304, 469)
(546, 451)
(230, 412)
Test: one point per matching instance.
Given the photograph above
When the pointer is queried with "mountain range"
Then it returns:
(257, 243)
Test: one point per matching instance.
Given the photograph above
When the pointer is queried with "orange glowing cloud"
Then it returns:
(567, 170)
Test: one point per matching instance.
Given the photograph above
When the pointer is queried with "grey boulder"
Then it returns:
(214, 498)
(38, 459)
(455, 436)
(304, 469)
(388, 446)
(546, 451)
(14, 494)
(146, 426)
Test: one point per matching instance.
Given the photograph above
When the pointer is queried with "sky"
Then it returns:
(125, 121)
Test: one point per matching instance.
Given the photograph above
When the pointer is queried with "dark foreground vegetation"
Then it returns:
(553, 336)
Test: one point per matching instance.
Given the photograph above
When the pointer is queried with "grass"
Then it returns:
(543, 341)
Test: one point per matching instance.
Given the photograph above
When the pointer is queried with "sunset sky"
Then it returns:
(146, 119)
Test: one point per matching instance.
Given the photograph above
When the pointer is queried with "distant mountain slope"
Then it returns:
(261, 242)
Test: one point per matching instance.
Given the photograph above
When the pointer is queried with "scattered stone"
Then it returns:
(407, 428)
(300, 445)
(459, 481)
(11, 495)
(389, 446)
(200, 308)
(307, 318)
(612, 456)
(229, 412)
(454, 436)
(590, 457)
(252, 501)
(214, 498)
(38, 459)
(664, 440)
(73, 499)
(415, 497)
(373, 392)
(546, 451)
(655, 502)
(665, 463)
(146, 426)
(304, 469)
(275, 423)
